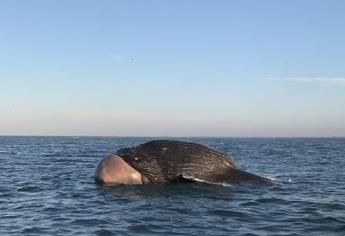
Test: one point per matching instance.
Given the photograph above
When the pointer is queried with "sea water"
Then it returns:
(47, 188)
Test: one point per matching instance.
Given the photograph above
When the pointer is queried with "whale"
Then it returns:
(171, 161)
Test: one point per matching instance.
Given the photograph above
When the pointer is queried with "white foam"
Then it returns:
(206, 182)
(271, 178)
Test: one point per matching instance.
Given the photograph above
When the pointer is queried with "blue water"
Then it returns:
(46, 187)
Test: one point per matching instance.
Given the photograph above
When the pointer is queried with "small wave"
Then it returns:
(103, 232)
(87, 222)
(33, 230)
(29, 189)
(230, 213)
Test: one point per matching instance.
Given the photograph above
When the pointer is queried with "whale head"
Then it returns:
(114, 170)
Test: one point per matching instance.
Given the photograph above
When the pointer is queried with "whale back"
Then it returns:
(165, 161)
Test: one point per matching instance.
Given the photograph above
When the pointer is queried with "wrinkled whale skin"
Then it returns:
(167, 161)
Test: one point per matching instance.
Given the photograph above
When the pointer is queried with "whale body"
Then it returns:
(167, 161)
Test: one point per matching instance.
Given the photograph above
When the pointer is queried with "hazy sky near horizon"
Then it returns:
(172, 68)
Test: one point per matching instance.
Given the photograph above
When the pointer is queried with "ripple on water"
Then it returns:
(229, 213)
(88, 222)
(103, 232)
(34, 230)
(30, 189)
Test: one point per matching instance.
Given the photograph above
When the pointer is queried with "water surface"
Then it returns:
(46, 188)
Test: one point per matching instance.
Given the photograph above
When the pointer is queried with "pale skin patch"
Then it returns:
(114, 170)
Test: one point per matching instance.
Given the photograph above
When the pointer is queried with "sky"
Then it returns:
(172, 68)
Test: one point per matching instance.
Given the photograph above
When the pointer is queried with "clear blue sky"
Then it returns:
(172, 68)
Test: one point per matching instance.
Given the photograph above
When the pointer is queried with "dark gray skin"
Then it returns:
(165, 161)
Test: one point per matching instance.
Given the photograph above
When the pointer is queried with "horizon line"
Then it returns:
(169, 136)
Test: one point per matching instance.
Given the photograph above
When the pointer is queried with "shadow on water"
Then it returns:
(191, 190)
(194, 190)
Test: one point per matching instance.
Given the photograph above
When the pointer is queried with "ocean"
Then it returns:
(47, 188)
